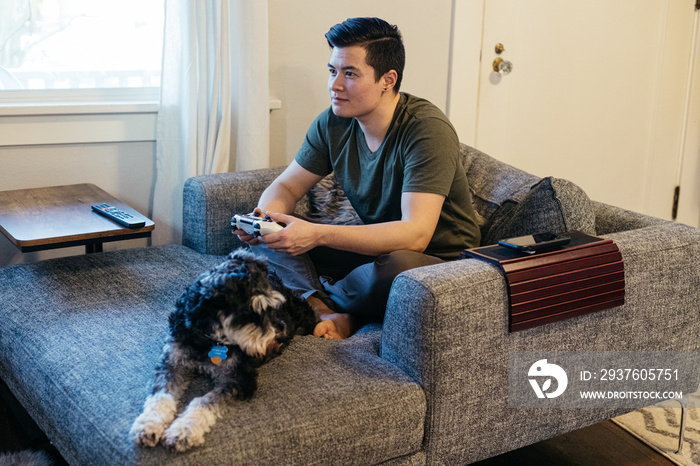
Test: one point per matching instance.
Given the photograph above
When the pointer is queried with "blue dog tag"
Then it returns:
(217, 354)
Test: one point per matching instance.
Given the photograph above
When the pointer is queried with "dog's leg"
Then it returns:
(160, 408)
(189, 429)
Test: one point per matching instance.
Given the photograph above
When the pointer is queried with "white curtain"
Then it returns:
(214, 111)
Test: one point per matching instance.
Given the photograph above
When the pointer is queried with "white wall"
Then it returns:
(299, 55)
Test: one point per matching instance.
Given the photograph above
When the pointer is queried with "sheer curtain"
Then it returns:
(214, 113)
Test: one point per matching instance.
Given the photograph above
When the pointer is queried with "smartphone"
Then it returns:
(538, 242)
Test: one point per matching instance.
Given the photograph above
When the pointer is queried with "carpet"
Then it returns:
(658, 426)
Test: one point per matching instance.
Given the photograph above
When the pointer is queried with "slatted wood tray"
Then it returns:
(584, 276)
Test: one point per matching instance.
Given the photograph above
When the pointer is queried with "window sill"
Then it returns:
(77, 108)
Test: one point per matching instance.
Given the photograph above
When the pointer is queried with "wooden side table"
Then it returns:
(60, 216)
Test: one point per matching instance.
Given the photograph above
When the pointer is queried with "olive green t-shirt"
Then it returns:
(420, 153)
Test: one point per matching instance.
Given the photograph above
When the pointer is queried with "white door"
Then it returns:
(597, 94)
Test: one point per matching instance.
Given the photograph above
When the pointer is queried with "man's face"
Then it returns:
(351, 84)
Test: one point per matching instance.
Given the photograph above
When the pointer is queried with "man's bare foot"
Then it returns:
(333, 325)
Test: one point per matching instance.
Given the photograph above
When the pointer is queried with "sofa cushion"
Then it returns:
(80, 338)
(549, 205)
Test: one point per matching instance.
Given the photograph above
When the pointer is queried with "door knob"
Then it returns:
(502, 66)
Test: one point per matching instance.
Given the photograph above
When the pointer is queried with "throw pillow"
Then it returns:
(550, 205)
(328, 204)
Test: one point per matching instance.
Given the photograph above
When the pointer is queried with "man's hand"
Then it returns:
(282, 196)
(248, 238)
(298, 237)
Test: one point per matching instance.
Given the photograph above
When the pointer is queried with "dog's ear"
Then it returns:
(266, 299)
(186, 309)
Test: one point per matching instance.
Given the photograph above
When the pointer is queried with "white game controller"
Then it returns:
(255, 225)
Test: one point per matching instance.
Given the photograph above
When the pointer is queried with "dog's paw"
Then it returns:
(146, 431)
(159, 412)
(181, 437)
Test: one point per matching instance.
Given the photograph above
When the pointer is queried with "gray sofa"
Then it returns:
(80, 337)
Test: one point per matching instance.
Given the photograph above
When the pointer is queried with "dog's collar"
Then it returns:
(204, 335)
(218, 353)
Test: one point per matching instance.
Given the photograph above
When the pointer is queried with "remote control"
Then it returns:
(254, 225)
(118, 216)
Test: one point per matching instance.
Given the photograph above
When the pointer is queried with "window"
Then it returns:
(80, 44)
(79, 71)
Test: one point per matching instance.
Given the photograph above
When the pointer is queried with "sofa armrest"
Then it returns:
(209, 202)
(446, 326)
(611, 219)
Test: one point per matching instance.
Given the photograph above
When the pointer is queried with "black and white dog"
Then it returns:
(232, 319)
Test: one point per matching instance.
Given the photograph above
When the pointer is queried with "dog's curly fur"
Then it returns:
(239, 304)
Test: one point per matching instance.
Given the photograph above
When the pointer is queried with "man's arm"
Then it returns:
(419, 216)
(283, 194)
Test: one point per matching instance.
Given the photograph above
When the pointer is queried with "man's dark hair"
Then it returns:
(381, 40)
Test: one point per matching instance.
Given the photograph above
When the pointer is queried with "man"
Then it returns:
(397, 159)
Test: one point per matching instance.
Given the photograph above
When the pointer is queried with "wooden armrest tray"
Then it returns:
(585, 276)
